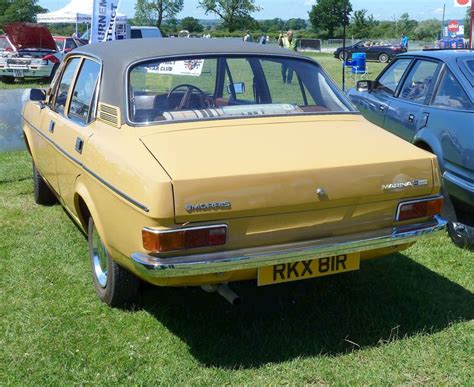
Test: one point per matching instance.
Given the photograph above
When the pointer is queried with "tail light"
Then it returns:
(51, 58)
(423, 208)
(160, 241)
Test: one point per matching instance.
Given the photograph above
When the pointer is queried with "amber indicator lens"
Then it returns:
(161, 242)
(421, 209)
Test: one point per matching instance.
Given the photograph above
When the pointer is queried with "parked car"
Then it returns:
(200, 167)
(139, 32)
(34, 53)
(427, 98)
(375, 51)
(68, 43)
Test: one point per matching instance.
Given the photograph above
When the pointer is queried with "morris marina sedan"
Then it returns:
(190, 162)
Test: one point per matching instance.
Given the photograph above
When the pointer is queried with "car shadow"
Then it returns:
(389, 299)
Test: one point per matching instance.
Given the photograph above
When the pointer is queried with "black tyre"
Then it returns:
(461, 235)
(42, 193)
(8, 80)
(343, 55)
(113, 284)
(384, 58)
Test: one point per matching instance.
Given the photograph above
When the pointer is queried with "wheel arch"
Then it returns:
(425, 140)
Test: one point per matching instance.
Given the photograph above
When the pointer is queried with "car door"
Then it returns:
(408, 112)
(374, 104)
(451, 121)
(72, 123)
(46, 157)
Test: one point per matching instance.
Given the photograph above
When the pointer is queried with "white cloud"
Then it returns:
(309, 2)
(438, 11)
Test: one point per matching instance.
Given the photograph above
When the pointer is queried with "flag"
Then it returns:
(104, 15)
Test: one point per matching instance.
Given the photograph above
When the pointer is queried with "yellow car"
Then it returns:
(202, 162)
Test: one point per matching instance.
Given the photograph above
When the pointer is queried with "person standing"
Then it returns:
(287, 41)
(404, 41)
(248, 38)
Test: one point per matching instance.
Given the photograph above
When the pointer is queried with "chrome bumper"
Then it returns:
(251, 258)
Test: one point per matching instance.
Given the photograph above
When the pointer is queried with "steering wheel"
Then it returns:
(187, 95)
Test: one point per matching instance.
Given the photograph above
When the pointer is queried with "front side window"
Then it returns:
(451, 95)
(84, 91)
(391, 78)
(418, 82)
(229, 86)
(64, 85)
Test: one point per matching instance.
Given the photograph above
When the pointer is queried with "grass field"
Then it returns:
(405, 318)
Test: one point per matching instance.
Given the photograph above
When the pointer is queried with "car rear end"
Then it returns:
(337, 195)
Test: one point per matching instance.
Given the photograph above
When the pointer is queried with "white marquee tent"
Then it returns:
(77, 11)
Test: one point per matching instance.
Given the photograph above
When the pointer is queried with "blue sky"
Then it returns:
(285, 9)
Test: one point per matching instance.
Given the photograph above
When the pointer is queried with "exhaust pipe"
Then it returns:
(224, 291)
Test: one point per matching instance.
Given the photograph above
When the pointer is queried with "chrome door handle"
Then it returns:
(51, 127)
(411, 118)
(382, 108)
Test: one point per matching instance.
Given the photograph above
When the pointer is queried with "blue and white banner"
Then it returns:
(104, 17)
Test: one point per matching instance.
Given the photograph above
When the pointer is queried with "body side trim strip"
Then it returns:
(88, 170)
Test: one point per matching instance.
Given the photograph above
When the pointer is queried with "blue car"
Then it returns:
(427, 98)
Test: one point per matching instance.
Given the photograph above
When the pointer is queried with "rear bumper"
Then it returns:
(26, 71)
(459, 187)
(251, 258)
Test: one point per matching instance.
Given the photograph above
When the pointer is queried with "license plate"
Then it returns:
(309, 268)
(18, 73)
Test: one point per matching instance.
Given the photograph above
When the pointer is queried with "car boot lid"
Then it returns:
(27, 36)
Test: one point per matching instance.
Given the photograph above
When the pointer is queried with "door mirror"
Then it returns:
(37, 95)
(366, 86)
(239, 88)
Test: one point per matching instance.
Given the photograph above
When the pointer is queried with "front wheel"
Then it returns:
(383, 58)
(113, 284)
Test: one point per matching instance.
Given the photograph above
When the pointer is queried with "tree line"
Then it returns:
(325, 19)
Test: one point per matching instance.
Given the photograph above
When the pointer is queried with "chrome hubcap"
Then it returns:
(99, 259)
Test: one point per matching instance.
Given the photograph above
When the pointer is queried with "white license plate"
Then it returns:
(18, 73)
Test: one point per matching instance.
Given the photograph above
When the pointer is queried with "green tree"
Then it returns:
(234, 13)
(362, 26)
(19, 11)
(427, 30)
(329, 15)
(155, 11)
(191, 24)
(405, 25)
(296, 24)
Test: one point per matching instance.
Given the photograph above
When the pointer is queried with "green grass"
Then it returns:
(405, 318)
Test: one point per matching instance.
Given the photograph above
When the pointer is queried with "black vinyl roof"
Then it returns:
(116, 56)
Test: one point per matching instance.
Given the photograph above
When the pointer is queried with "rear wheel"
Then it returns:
(343, 55)
(113, 284)
(42, 193)
(383, 58)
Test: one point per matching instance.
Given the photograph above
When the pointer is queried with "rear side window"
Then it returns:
(64, 85)
(391, 78)
(84, 91)
(135, 34)
(418, 82)
(451, 95)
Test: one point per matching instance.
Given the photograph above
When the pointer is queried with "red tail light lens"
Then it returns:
(163, 241)
(419, 208)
